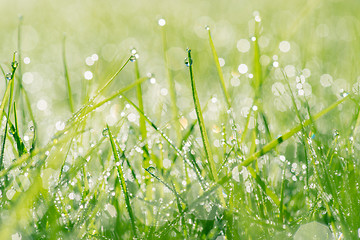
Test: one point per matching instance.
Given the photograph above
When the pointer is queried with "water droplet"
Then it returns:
(8, 76)
(27, 60)
(105, 132)
(188, 62)
(88, 75)
(32, 128)
(14, 64)
(133, 51)
(284, 46)
(161, 22)
(11, 131)
(207, 27)
(132, 58)
(344, 94)
(243, 68)
(151, 169)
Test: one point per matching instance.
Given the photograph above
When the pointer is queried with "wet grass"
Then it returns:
(201, 173)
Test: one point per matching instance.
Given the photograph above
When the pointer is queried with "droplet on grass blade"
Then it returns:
(151, 169)
(14, 64)
(132, 58)
(8, 76)
(188, 62)
(343, 93)
(105, 132)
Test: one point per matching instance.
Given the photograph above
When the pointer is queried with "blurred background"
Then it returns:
(315, 42)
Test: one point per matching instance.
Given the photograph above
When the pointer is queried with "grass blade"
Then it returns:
(200, 119)
(201, 123)
(171, 82)
(218, 68)
(14, 130)
(123, 184)
(66, 75)
(168, 140)
(275, 142)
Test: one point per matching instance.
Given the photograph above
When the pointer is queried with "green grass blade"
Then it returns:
(89, 105)
(275, 142)
(5, 98)
(201, 123)
(219, 70)
(66, 75)
(141, 104)
(200, 119)
(123, 183)
(171, 82)
(168, 140)
(14, 65)
(258, 78)
(14, 130)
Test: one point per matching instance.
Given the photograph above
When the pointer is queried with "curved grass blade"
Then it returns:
(123, 184)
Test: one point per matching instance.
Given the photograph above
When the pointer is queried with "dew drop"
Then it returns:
(344, 94)
(188, 62)
(105, 132)
(257, 18)
(27, 60)
(11, 131)
(132, 58)
(207, 27)
(14, 64)
(133, 51)
(8, 76)
(151, 169)
(88, 75)
(161, 22)
(243, 68)
(284, 46)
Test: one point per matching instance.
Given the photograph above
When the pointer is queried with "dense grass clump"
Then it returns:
(260, 143)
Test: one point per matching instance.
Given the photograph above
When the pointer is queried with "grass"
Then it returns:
(207, 150)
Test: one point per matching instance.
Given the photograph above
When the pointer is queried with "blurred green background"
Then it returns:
(323, 36)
